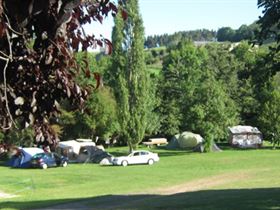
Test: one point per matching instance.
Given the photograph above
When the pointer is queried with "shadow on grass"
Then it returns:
(266, 198)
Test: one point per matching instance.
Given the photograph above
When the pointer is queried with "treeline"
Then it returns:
(244, 32)
(200, 89)
(173, 39)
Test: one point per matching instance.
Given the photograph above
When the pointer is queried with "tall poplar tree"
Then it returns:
(129, 78)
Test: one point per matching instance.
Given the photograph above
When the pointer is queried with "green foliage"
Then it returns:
(181, 72)
(99, 118)
(197, 92)
(154, 56)
(224, 67)
(174, 39)
(102, 116)
(244, 32)
(212, 111)
(277, 81)
(23, 137)
(269, 30)
(246, 61)
(269, 22)
(131, 83)
(270, 117)
(225, 34)
(74, 124)
(268, 67)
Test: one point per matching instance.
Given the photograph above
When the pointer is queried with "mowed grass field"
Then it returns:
(232, 179)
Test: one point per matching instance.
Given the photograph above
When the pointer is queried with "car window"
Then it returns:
(144, 153)
(136, 154)
(48, 155)
(39, 155)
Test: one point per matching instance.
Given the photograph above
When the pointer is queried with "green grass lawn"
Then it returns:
(252, 182)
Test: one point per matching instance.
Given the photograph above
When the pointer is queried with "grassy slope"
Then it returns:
(43, 187)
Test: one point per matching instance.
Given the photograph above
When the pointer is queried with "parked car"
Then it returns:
(45, 160)
(137, 157)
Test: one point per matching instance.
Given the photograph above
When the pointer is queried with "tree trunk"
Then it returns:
(131, 147)
(274, 143)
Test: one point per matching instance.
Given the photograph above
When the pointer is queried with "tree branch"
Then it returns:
(7, 60)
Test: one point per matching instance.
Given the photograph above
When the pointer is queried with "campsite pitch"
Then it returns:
(181, 180)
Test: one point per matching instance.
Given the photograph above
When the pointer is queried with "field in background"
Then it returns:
(234, 179)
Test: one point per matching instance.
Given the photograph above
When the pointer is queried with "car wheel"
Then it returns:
(124, 163)
(44, 166)
(151, 161)
(64, 164)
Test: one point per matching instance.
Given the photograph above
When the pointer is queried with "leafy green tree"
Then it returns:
(246, 58)
(73, 123)
(225, 34)
(181, 73)
(270, 21)
(269, 25)
(244, 32)
(195, 96)
(277, 81)
(102, 116)
(99, 107)
(224, 66)
(129, 77)
(21, 137)
(270, 117)
(267, 68)
(98, 119)
(212, 110)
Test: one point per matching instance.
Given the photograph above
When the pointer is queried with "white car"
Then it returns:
(137, 157)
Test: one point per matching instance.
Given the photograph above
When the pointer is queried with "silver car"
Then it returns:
(137, 157)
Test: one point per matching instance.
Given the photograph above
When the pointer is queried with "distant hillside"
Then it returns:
(244, 32)
(173, 39)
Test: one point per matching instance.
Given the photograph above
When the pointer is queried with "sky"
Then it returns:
(169, 16)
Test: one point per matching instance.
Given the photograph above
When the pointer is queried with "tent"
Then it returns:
(24, 155)
(245, 136)
(97, 154)
(185, 140)
(173, 143)
(189, 140)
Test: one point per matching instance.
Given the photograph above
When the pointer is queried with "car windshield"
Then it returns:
(39, 155)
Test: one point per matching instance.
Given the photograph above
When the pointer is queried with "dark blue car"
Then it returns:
(46, 160)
